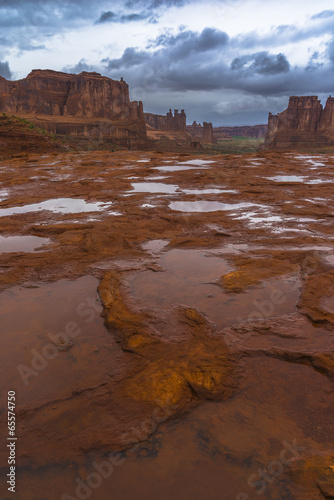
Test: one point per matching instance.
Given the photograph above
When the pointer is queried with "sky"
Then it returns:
(229, 62)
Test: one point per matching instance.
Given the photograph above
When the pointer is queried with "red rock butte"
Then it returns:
(87, 104)
(304, 124)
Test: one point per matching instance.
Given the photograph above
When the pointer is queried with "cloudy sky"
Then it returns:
(225, 61)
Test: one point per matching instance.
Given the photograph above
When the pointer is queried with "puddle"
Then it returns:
(318, 181)
(177, 168)
(154, 187)
(62, 177)
(59, 205)
(189, 280)
(279, 230)
(311, 160)
(208, 191)
(216, 452)
(196, 162)
(297, 178)
(316, 200)
(147, 205)
(287, 178)
(155, 245)
(254, 218)
(28, 315)
(205, 206)
(21, 243)
(3, 194)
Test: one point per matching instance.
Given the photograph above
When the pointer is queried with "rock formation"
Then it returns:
(196, 133)
(208, 133)
(256, 131)
(202, 134)
(87, 104)
(305, 123)
(170, 122)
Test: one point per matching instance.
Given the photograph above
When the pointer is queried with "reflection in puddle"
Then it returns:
(154, 187)
(3, 194)
(196, 162)
(190, 280)
(287, 178)
(254, 218)
(59, 205)
(297, 178)
(206, 206)
(21, 243)
(30, 320)
(155, 245)
(318, 181)
(208, 191)
(177, 168)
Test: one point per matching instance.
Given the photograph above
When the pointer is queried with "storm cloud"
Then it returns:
(5, 70)
(224, 61)
(113, 17)
(177, 63)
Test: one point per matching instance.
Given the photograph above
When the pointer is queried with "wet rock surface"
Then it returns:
(196, 343)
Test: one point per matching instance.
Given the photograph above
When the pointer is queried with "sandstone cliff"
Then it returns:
(168, 122)
(203, 134)
(87, 104)
(305, 123)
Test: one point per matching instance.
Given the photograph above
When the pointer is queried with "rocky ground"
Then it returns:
(176, 308)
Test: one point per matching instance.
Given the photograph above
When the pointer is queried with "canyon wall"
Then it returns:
(304, 124)
(256, 131)
(87, 104)
(177, 123)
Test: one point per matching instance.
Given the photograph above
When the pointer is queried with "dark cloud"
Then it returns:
(196, 61)
(112, 17)
(155, 4)
(107, 17)
(187, 61)
(313, 63)
(39, 13)
(130, 58)
(82, 65)
(187, 41)
(5, 71)
(262, 63)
